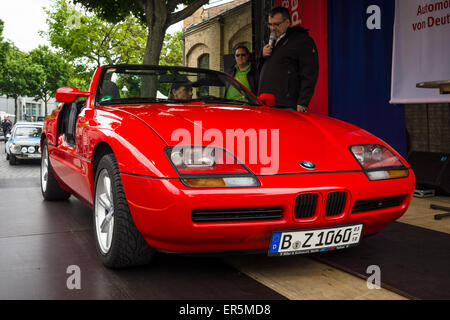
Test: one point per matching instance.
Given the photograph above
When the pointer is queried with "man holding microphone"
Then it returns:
(289, 66)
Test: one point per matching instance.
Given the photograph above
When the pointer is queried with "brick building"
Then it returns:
(210, 34)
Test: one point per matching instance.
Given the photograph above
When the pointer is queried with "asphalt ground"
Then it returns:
(41, 242)
(23, 169)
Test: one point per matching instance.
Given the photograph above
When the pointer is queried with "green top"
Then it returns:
(241, 76)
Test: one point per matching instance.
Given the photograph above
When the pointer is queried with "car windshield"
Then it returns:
(146, 84)
(28, 132)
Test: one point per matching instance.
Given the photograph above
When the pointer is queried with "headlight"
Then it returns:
(24, 150)
(31, 149)
(378, 162)
(15, 148)
(209, 167)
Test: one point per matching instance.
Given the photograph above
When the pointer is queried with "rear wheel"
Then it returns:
(118, 241)
(49, 186)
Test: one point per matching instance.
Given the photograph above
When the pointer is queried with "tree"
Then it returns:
(89, 40)
(55, 73)
(157, 15)
(172, 50)
(20, 77)
(4, 47)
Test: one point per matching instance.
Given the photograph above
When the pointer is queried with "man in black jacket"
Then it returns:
(6, 126)
(289, 67)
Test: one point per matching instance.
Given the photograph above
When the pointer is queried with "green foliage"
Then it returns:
(4, 47)
(115, 11)
(87, 39)
(172, 51)
(157, 15)
(20, 76)
(56, 73)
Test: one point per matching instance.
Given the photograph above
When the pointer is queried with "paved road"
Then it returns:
(24, 169)
(40, 240)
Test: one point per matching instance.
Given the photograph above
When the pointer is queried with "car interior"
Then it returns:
(67, 120)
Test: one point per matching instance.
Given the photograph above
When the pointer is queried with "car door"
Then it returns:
(67, 164)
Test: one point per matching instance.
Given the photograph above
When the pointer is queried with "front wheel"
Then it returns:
(12, 159)
(118, 241)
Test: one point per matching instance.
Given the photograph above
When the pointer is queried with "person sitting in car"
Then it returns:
(181, 91)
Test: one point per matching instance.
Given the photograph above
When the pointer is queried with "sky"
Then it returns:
(24, 19)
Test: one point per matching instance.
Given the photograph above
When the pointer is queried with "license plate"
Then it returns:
(286, 243)
(34, 156)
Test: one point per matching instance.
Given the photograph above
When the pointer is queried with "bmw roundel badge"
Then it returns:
(308, 165)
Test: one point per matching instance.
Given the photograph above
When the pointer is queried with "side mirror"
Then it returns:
(268, 99)
(70, 94)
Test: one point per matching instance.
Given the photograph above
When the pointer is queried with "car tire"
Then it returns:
(7, 156)
(50, 188)
(119, 243)
(12, 160)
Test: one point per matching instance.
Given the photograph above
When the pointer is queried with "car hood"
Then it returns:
(279, 140)
(26, 141)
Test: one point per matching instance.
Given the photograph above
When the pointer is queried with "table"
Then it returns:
(443, 86)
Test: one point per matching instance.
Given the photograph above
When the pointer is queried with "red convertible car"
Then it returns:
(187, 160)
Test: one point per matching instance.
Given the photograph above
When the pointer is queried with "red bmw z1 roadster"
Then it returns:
(188, 160)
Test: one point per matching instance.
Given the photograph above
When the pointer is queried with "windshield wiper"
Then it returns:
(132, 100)
(223, 100)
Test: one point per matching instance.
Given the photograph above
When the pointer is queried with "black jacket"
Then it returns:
(291, 72)
(6, 127)
(252, 77)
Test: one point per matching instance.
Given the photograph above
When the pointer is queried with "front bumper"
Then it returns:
(162, 208)
(24, 156)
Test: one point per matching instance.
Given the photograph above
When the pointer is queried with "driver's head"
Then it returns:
(181, 91)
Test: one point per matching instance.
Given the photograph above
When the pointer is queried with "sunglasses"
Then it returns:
(241, 55)
(276, 24)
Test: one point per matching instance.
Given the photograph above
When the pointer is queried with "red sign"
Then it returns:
(312, 15)
(294, 9)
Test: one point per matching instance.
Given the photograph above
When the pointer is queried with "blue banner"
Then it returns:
(360, 35)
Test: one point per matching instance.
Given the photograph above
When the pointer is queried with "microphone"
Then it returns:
(272, 39)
